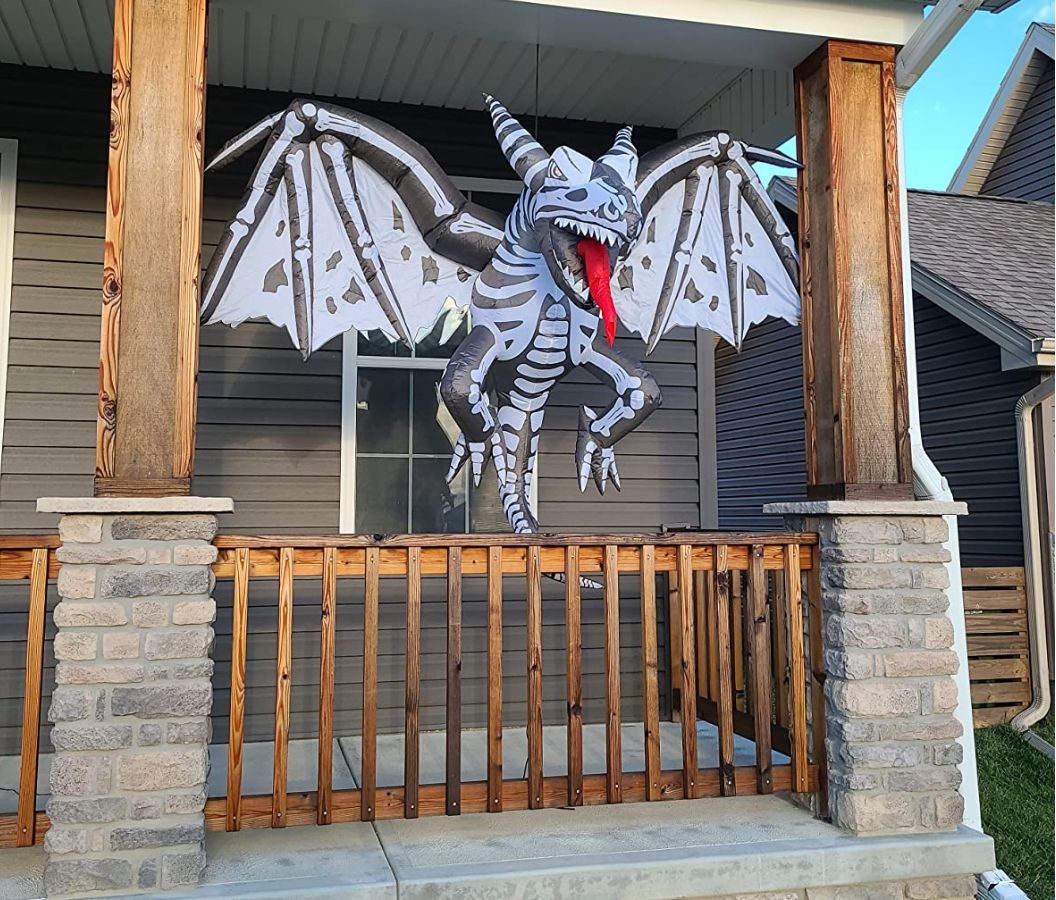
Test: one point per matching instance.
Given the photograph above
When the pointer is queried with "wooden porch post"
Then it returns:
(148, 361)
(854, 352)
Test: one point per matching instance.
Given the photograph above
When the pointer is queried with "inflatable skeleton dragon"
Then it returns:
(349, 224)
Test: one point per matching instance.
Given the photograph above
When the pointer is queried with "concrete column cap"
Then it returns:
(105, 506)
(868, 508)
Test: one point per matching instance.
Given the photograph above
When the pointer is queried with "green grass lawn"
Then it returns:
(1016, 792)
(1044, 728)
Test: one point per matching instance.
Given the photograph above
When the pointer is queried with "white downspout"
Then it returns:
(1032, 556)
(929, 484)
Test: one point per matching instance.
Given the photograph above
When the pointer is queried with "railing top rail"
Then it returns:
(694, 538)
(29, 541)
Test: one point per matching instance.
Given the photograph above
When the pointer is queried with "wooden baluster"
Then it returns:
(453, 759)
(327, 647)
(797, 678)
(26, 834)
(283, 667)
(817, 680)
(369, 751)
(737, 637)
(780, 648)
(236, 715)
(703, 659)
(613, 742)
(574, 667)
(494, 679)
(535, 679)
(413, 660)
(712, 632)
(689, 676)
(759, 658)
(724, 654)
(650, 687)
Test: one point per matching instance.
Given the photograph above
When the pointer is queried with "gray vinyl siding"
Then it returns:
(269, 425)
(760, 445)
(1024, 167)
(967, 412)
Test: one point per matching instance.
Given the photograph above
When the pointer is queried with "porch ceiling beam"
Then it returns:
(149, 341)
(854, 344)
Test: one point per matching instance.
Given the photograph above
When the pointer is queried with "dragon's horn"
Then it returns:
(622, 156)
(524, 153)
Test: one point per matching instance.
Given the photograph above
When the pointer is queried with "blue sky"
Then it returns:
(944, 108)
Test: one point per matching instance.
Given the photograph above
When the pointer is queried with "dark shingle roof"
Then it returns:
(1048, 26)
(997, 251)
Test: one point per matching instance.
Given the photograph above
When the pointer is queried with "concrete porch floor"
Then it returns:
(257, 759)
(634, 851)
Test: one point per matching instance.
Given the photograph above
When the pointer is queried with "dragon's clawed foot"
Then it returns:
(477, 452)
(593, 458)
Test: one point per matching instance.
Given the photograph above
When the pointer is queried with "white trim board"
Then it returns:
(8, 181)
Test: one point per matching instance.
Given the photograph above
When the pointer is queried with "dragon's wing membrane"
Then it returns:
(334, 234)
(713, 252)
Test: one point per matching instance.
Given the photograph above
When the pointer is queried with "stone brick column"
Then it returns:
(133, 693)
(892, 744)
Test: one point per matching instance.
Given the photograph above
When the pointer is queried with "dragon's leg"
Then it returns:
(637, 396)
(463, 391)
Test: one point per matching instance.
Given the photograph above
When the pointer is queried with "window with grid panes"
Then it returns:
(403, 433)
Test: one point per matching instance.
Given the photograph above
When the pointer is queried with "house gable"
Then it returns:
(1024, 167)
(1015, 100)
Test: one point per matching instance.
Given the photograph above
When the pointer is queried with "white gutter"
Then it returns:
(939, 27)
(919, 52)
(1033, 556)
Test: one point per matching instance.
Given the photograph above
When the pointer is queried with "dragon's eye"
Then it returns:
(555, 171)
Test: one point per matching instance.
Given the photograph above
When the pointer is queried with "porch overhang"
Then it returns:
(679, 64)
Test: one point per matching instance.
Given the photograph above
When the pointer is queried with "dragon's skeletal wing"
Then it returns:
(713, 251)
(347, 224)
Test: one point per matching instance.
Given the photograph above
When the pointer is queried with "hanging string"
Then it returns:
(537, 90)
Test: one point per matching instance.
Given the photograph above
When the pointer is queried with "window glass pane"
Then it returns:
(377, 343)
(381, 495)
(434, 429)
(449, 330)
(382, 411)
(437, 506)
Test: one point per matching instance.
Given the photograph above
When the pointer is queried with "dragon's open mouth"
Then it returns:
(584, 264)
(596, 258)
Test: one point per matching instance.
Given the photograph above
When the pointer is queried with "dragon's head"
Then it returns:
(585, 212)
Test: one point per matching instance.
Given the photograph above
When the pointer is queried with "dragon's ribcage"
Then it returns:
(522, 390)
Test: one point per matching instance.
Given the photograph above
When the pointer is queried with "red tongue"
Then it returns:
(596, 258)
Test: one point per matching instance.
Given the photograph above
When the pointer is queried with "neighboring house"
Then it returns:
(982, 273)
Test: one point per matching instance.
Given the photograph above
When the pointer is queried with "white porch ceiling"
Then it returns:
(445, 52)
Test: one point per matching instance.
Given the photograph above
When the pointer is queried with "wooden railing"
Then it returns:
(746, 646)
(29, 559)
(773, 708)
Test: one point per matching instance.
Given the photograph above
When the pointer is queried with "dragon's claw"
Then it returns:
(593, 458)
(475, 452)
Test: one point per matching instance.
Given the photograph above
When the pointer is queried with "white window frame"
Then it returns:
(8, 183)
(351, 361)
